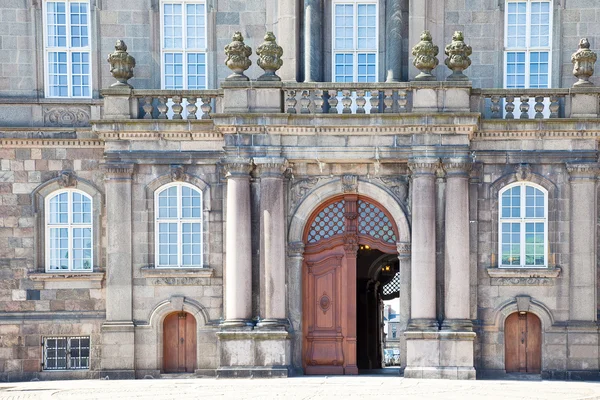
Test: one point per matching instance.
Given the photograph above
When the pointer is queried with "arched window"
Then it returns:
(523, 226)
(355, 40)
(69, 229)
(178, 226)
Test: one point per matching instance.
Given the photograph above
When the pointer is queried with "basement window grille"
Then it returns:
(65, 353)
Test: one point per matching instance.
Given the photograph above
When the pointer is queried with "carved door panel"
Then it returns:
(179, 343)
(323, 313)
(522, 337)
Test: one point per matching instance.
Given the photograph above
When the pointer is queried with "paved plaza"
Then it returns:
(301, 388)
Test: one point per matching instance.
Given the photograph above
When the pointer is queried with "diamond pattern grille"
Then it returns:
(373, 222)
(329, 222)
(392, 286)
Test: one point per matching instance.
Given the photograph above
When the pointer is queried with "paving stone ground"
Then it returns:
(301, 388)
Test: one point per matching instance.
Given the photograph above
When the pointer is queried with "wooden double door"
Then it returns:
(332, 239)
(523, 343)
(179, 343)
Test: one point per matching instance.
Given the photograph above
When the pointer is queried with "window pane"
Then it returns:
(190, 201)
(56, 24)
(59, 249)
(344, 26)
(534, 203)
(191, 245)
(534, 244)
(173, 64)
(172, 26)
(82, 249)
(58, 83)
(344, 67)
(79, 25)
(194, 19)
(511, 242)
(167, 203)
(515, 70)
(511, 203)
(516, 25)
(167, 244)
(196, 70)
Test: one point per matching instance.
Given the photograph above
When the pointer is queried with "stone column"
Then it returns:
(582, 299)
(313, 39)
(457, 285)
(272, 239)
(422, 303)
(238, 247)
(287, 33)
(294, 296)
(404, 311)
(393, 40)
(118, 329)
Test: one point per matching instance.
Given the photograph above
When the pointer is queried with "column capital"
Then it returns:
(118, 171)
(271, 167)
(457, 166)
(295, 249)
(423, 165)
(403, 249)
(237, 167)
(583, 170)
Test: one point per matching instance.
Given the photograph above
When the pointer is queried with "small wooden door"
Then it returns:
(179, 343)
(523, 343)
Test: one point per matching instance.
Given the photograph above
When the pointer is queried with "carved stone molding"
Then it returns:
(118, 170)
(66, 179)
(423, 165)
(457, 166)
(239, 167)
(350, 183)
(583, 171)
(398, 186)
(403, 248)
(273, 167)
(350, 243)
(177, 173)
(523, 276)
(523, 303)
(295, 249)
(523, 172)
(521, 281)
(63, 116)
(299, 189)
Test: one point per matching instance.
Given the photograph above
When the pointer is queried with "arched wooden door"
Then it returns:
(332, 238)
(179, 342)
(523, 343)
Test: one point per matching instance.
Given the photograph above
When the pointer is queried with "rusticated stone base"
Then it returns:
(252, 372)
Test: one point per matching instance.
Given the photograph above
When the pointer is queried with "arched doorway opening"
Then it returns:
(523, 343)
(344, 239)
(179, 342)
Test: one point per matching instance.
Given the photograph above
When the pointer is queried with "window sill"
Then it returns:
(523, 276)
(68, 280)
(151, 272)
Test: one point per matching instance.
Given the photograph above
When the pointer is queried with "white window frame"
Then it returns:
(523, 220)
(68, 49)
(184, 50)
(69, 226)
(355, 51)
(528, 49)
(67, 356)
(179, 220)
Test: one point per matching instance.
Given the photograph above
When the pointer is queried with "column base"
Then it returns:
(237, 323)
(272, 324)
(457, 325)
(423, 325)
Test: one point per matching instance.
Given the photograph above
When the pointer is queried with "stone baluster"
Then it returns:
(346, 102)
(177, 108)
(272, 239)
(388, 101)
(582, 286)
(206, 108)
(333, 101)
(524, 107)
(148, 107)
(318, 101)
(305, 102)
(162, 107)
(495, 106)
(374, 101)
(238, 249)
(554, 106)
(290, 101)
(402, 101)
(457, 285)
(423, 276)
(509, 107)
(360, 101)
(539, 107)
(191, 108)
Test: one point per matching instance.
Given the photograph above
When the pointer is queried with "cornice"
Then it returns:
(116, 135)
(62, 143)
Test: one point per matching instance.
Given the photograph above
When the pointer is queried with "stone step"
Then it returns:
(175, 375)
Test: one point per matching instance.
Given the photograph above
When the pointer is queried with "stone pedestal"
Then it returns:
(441, 97)
(582, 287)
(238, 248)
(272, 239)
(118, 330)
(119, 103)
(584, 103)
(253, 96)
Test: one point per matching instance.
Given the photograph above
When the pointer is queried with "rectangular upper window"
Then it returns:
(183, 45)
(67, 49)
(64, 353)
(355, 41)
(527, 44)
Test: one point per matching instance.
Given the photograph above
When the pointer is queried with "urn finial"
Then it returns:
(269, 58)
(425, 60)
(458, 60)
(237, 58)
(121, 64)
(583, 63)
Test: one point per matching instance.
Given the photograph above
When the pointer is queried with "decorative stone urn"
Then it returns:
(425, 60)
(583, 63)
(458, 57)
(121, 64)
(237, 58)
(269, 58)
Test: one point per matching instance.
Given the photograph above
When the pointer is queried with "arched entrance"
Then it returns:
(523, 343)
(179, 342)
(341, 231)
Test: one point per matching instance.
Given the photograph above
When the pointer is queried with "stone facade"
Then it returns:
(265, 155)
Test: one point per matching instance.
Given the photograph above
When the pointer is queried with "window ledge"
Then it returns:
(524, 276)
(68, 280)
(151, 272)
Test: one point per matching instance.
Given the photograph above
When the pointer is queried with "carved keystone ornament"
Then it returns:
(237, 58)
(583, 63)
(121, 64)
(269, 58)
(458, 57)
(425, 60)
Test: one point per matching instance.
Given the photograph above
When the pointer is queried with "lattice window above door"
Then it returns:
(375, 223)
(392, 286)
(329, 222)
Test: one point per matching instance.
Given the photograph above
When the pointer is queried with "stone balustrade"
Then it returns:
(520, 103)
(177, 104)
